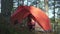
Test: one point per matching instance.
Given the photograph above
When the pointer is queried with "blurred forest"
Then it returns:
(8, 7)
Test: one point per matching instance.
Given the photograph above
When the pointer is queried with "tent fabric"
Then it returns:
(38, 15)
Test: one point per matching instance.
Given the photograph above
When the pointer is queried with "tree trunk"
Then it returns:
(6, 7)
(46, 6)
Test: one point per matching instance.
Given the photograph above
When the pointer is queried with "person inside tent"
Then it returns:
(31, 26)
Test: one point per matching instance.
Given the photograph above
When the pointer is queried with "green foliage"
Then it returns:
(52, 20)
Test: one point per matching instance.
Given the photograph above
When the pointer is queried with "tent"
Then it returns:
(37, 14)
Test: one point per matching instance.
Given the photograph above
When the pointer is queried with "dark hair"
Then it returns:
(15, 22)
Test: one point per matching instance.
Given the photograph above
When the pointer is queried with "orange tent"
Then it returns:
(38, 15)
